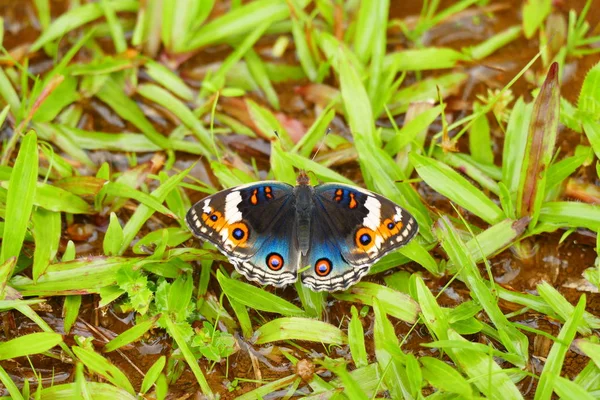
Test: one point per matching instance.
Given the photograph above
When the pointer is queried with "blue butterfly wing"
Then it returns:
(351, 229)
(253, 226)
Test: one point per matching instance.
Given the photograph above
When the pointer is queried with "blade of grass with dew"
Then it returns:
(451, 184)
(539, 150)
(295, 328)
(46, 232)
(81, 276)
(571, 214)
(113, 95)
(427, 90)
(164, 98)
(101, 366)
(20, 197)
(32, 343)
(256, 298)
(240, 21)
(397, 304)
(78, 17)
(512, 339)
(143, 212)
(554, 361)
(356, 340)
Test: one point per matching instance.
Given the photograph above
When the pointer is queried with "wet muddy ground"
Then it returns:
(547, 258)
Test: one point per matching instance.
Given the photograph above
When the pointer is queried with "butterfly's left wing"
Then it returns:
(253, 226)
(351, 229)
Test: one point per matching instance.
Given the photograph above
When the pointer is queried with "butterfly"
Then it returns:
(330, 234)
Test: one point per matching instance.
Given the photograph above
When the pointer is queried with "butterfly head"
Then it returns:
(302, 178)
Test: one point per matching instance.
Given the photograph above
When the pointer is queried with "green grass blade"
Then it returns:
(556, 357)
(19, 201)
(152, 374)
(175, 332)
(295, 328)
(570, 214)
(452, 185)
(71, 311)
(46, 232)
(256, 298)
(514, 341)
(356, 340)
(240, 21)
(78, 17)
(397, 304)
(130, 335)
(33, 343)
(101, 366)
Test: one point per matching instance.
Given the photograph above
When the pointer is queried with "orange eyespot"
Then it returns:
(389, 228)
(364, 239)
(214, 219)
(323, 267)
(238, 233)
(274, 261)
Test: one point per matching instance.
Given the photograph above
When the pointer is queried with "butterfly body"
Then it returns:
(329, 234)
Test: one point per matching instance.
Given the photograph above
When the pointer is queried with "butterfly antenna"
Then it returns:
(321, 144)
